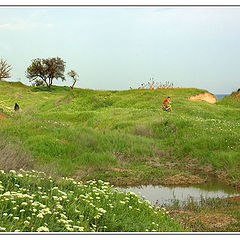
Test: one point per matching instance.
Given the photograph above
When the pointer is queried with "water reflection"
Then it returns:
(166, 195)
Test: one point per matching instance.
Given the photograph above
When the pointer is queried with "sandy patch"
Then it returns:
(207, 97)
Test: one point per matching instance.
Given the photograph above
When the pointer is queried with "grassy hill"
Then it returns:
(120, 136)
(33, 202)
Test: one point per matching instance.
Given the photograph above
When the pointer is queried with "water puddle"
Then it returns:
(166, 195)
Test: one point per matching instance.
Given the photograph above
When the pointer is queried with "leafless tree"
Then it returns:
(4, 69)
(155, 85)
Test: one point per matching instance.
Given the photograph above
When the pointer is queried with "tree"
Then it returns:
(38, 83)
(74, 76)
(4, 69)
(46, 70)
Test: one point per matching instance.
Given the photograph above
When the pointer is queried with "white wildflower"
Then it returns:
(80, 229)
(43, 229)
(40, 215)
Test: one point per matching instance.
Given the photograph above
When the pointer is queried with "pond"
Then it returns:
(167, 195)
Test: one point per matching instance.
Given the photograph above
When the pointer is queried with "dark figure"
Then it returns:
(16, 107)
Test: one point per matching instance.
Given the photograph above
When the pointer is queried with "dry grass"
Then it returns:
(13, 157)
(181, 179)
(142, 130)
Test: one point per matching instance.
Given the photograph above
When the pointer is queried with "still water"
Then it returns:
(166, 195)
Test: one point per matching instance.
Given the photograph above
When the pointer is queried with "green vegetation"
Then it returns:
(32, 202)
(121, 136)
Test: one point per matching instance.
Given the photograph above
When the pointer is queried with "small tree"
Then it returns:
(46, 70)
(4, 69)
(74, 76)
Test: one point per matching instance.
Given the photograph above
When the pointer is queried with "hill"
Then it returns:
(119, 136)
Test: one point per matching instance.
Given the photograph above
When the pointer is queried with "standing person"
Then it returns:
(16, 107)
(165, 101)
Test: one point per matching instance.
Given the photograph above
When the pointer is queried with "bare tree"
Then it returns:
(155, 85)
(4, 69)
(74, 76)
(46, 70)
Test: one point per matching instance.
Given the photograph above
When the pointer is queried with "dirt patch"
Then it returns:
(63, 140)
(199, 222)
(79, 174)
(123, 182)
(181, 179)
(207, 97)
(214, 220)
(2, 115)
(115, 169)
(234, 198)
(63, 101)
(142, 130)
(163, 165)
(58, 102)
(223, 176)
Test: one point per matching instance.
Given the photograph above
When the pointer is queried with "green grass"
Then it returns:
(122, 136)
(32, 202)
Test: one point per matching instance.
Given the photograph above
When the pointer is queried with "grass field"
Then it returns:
(119, 136)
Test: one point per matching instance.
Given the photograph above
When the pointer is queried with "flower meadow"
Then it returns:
(32, 202)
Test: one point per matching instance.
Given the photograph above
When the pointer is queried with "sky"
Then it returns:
(115, 48)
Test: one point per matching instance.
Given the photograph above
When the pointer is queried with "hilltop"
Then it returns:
(120, 136)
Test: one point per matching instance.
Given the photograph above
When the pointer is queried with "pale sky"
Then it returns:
(118, 48)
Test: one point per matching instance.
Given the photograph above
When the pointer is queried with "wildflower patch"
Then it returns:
(32, 202)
